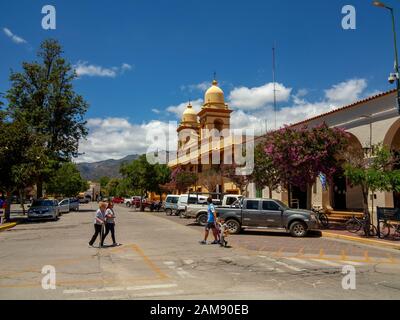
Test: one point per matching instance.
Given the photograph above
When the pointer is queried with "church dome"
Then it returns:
(190, 115)
(214, 95)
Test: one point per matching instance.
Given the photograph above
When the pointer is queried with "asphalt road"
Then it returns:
(161, 258)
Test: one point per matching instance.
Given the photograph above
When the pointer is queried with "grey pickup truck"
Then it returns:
(267, 214)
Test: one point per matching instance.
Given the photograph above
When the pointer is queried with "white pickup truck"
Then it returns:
(198, 211)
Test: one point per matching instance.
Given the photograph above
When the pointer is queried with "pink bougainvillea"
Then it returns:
(301, 155)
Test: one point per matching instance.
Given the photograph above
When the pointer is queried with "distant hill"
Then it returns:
(108, 168)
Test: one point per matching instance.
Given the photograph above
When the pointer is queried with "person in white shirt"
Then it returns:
(110, 223)
(99, 221)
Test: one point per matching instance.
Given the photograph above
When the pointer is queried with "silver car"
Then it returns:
(44, 210)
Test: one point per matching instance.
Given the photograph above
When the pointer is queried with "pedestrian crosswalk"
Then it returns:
(302, 264)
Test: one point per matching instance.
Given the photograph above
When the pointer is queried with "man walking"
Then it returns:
(211, 223)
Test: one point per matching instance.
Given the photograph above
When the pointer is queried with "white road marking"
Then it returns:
(298, 260)
(119, 289)
(184, 274)
(156, 286)
(327, 262)
(353, 263)
(289, 266)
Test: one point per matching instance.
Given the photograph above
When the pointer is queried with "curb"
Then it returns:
(7, 226)
(360, 240)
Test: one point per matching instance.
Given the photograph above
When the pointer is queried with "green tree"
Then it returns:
(66, 182)
(140, 175)
(113, 188)
(265, 173)
(21, 157)
(372, 174)
(42, 95)
(104, 181)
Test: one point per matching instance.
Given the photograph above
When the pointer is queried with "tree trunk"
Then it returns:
(366, 211)
(309, 197)
(289, 189)
(21, 199)
(39, 189)
(270, 192)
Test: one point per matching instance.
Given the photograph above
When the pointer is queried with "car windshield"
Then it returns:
(43, 203)
(172, 200)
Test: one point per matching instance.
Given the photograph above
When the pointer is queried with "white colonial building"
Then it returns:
(371, 121)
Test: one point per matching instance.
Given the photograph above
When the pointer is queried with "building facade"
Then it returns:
(369, 122)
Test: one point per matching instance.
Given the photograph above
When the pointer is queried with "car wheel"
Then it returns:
(168, 212)
(202, 219)
(298, 229)
(233, 227)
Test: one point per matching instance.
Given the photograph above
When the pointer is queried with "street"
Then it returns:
(161, 258)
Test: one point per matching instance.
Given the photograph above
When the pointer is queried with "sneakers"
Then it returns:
(203, 242)
(215, 242)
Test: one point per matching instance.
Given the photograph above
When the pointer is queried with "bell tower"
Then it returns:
(215, 113)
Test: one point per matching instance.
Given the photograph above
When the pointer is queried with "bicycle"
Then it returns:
(321, 216)
(354, 225)
(386, 227)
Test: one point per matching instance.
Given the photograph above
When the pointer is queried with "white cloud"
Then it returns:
(203, 86)
(256, 98)
(115, 138)
(300, 109)
(82, 69)
(180, 108)
(346, 92)
(156, 111)
(16, 39)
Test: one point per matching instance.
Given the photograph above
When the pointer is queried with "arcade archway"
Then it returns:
(392, 140)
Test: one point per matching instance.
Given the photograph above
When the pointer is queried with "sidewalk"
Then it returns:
(374, 241)
(7, 226)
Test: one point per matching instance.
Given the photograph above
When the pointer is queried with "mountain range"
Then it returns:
(107, 168)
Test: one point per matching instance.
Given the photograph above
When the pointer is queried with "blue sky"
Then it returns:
(170, 50)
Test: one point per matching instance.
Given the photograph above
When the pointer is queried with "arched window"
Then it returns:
(219, 125)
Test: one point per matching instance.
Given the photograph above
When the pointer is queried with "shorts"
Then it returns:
(210, 226)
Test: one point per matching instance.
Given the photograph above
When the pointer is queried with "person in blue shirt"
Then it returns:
(211, 223)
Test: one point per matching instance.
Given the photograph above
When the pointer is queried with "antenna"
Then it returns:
(274, 81)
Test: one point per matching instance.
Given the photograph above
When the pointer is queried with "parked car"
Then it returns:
(192, 200)
(84, 200)
(74, 204)
(118, 200)
(171, 205)
(268, 214)
(198, 210)
(64, 206)
(133, 201)
(43, 210)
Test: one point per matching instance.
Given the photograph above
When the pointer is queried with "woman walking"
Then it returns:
(98, 223)
(110, 223)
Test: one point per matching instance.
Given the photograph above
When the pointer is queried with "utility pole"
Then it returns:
(274, 81)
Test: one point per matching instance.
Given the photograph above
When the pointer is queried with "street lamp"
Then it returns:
(393, 77)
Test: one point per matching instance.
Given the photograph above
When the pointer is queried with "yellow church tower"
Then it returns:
(215, 113)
